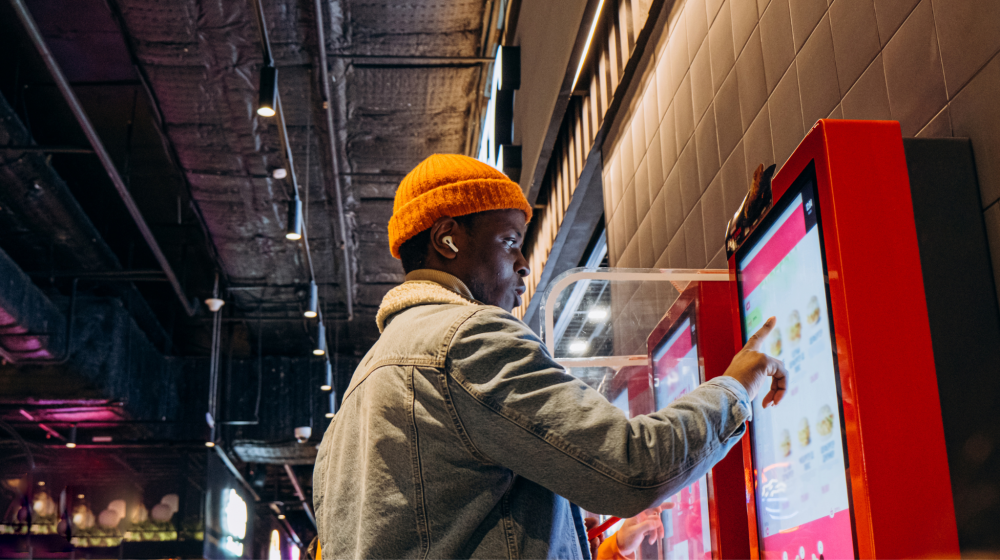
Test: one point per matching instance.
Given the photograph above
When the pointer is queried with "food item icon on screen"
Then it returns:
(812, 311)
(824, 422)
(775, 345)
(804, 437)
(794, 328)
(785, 443)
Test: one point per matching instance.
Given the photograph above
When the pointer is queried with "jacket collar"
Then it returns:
(423, 287)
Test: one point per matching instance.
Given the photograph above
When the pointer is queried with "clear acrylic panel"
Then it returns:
(595, 321)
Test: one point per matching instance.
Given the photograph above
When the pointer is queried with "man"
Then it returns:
(459, 436)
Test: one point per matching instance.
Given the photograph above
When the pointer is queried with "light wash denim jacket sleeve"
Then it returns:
(460, 437)
(522, 410)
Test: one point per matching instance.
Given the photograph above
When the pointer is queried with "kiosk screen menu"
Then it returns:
(802, 493)
(676, 373)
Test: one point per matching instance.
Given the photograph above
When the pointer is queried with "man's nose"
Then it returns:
(521, 266)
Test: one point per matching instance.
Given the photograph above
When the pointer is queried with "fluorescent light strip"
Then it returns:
(586, 47)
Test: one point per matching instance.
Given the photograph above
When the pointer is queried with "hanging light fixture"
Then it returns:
(333, 405)
(320, 349)
(294, 232)
(71, 442)
(313, 309)
(328, 384)
(268, 91)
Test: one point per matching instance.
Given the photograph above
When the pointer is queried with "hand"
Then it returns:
(595, 543)
(645, 525)
(751, 368)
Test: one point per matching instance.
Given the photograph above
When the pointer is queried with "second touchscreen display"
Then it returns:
(686, 525)
(802, 494)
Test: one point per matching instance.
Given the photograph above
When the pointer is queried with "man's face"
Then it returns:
(492, 265)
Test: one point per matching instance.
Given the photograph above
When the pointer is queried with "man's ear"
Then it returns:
(444, 227)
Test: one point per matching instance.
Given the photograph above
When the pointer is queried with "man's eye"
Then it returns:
(510, 243)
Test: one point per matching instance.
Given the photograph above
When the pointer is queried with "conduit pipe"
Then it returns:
(300, 493)
(95, 141)
(334, 161)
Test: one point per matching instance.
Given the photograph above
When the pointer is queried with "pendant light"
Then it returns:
(71, 442)
(320, 349)
(328, 384)
(313, 310)
(266, 106)
(294, 232)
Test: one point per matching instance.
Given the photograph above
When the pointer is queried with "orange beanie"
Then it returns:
(449, 185)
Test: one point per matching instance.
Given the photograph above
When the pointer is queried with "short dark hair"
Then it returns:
(413, 252)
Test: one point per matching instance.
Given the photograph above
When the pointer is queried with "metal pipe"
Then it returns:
(334, 161)
(47, 149)
(95, 141)
(300, 493)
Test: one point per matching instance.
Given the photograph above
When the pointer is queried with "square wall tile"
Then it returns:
(786, 116)
(939, 127)
(614, 183)
(664, 89)
(758, 144)
(975, 114)
(658, 223)
(869, 98)
(628, 209)
(638, 130)
(645, 237)
(734, 182)
(819, 89)
(701, 81)
(642, 191)
(630, 258)
(913, 71)
(776, 41)
(762, 5)
(727, 115)
(750, 75)
(714, 216)
(713, 7)
(673, 205)
(683, 114)
(655, 167)
(651, 114)
(668, 141)
(694, 239)
(720, 40)
(708, 150)
(805, 14)
(627, 161)
(969, 35)
(697, 24)
(677, 51)
(663, 261)
(890, 14)
(719, 261)
(687, 167)
(744, 14)
(677, 250)
(855, 39)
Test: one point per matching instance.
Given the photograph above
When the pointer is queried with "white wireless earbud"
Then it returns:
(451, 244)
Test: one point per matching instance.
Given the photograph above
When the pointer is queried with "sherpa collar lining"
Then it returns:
(412, 293)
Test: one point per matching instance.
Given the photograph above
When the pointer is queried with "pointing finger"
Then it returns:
(756, 340)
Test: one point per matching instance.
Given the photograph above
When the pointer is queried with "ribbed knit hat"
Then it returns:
(449, 185)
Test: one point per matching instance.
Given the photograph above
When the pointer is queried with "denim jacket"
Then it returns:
(460, 437)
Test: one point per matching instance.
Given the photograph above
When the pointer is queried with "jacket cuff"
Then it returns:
(742, 409)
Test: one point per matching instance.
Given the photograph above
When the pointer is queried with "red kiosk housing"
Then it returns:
(691, 344)
(836, 260)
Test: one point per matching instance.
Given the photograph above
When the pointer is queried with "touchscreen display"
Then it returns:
(676, 373)
(802, 494)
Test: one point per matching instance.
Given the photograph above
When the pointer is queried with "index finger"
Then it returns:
(756, 340)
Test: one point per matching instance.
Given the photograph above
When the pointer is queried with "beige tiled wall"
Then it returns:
(734, 83)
